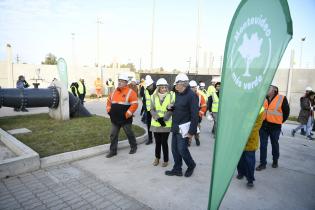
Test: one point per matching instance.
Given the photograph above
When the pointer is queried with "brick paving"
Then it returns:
(62, 187)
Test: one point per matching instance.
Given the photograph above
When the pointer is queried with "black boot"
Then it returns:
(275, 164)
(111, 154)
(149, 141)
(133, 150)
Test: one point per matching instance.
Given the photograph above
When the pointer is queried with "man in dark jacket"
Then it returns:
(305, 115)
(184, 126)
(21, 84)
(277, 111)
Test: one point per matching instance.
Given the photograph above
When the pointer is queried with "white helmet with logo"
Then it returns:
(202, 84)
(161, 82)
(123, 77)
(193, 83)
(181, 77)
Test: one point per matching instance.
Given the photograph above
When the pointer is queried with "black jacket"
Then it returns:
(185, 110)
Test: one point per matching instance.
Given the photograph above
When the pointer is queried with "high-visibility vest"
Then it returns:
(201, 104)
(147, 100)
(98, 84)
(80, 88)
(211, 89)
(161, 109)
(110, 84)
(204, 94)
(76, 92)
(273, 111)
(173, 96)
(215, 102)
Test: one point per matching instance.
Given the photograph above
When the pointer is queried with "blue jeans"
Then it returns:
(180, 151)
(246, 165)
(309, 125)
(264, 134)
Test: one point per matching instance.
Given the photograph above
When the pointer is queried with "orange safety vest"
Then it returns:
(273, 111)
(125, 98)
(202, 104)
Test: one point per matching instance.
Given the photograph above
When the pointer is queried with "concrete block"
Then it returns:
(62, 111)
(19, 131)
(27, 160)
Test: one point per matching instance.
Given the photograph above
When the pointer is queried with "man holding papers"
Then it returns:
(184, 126)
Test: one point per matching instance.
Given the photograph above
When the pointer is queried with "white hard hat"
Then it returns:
(161, 82)
(202, 84)
(123, 77)
(308, 88)
(193, 83)
(148, 81)
(133, 80)
(216, 79)
(181, 77)
(147, 77)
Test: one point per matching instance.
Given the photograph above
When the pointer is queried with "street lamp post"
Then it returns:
(73, 54)
(152, 35)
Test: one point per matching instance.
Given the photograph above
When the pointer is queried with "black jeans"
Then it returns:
(161, 140)
(114, 136)
(149, 117)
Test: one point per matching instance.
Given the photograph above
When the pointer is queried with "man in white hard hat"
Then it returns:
(184, 126)
(150, 88)
(121, 105)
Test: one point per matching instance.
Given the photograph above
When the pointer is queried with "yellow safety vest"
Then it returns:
(110, 84)
(80, 88)
(215, 102)
(161, 109)
(211, 89)
(204, 94)
(147, 100)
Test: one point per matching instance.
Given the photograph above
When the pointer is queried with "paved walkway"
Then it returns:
(291, 186)
(62, 187)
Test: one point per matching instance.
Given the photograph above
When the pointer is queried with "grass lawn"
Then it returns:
(50, 137)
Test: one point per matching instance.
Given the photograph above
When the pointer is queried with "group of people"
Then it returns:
(179, 110)
(306, 115)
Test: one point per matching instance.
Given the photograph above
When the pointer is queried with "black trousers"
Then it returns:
(149, 117)
(161, 140)
(81, 97)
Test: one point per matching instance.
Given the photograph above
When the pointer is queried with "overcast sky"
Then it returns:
(35, 28)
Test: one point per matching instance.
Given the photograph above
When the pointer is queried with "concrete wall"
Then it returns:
(301, 78)
(49, 72)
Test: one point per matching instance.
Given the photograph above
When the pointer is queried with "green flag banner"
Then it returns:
(258, 36)
(62, 69)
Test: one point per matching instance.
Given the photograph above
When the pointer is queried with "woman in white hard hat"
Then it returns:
(161, 120)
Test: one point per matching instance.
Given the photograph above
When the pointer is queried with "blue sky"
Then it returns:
(35, 27)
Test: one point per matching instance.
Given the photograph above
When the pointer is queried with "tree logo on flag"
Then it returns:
(251, 49)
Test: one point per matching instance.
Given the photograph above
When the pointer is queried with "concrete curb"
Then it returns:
(85, 153)
(292, 122)
(27, 160)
